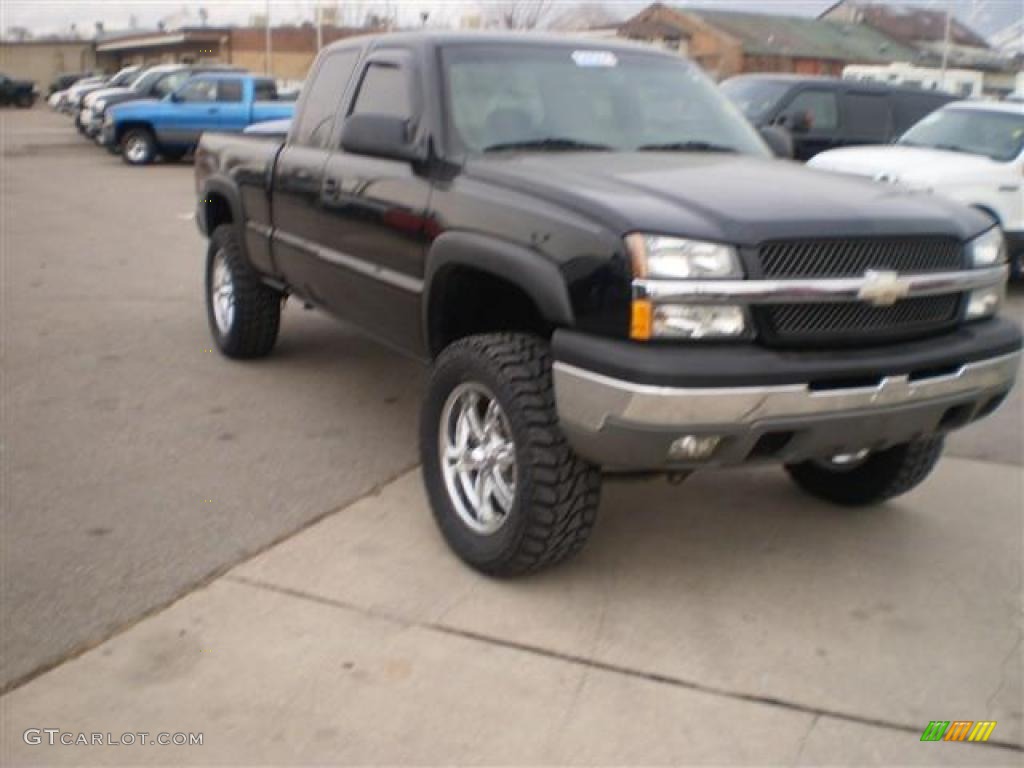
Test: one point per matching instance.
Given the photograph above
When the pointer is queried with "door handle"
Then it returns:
(212, 111)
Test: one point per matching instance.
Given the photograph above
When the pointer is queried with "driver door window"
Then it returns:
(198, 91)
(384, 91)
(813, 112)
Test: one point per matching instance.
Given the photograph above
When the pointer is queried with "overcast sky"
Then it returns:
(57, 16)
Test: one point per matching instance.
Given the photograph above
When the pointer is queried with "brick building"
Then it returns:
(727, 43)
(292, 49)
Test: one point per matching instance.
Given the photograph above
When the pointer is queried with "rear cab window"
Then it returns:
(867, 116)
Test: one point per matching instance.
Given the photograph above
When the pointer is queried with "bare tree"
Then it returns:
(19, 34)
(517, 14)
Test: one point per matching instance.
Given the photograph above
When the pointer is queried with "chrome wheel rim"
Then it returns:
(222, 294)
(478, 458)
(136, 149)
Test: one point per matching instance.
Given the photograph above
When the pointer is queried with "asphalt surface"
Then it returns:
(137, 463)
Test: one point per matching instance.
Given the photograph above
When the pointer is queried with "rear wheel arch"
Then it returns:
(476, 284)
(222, 204)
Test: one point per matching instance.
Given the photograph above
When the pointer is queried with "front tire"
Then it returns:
(508, 493)
(872, 480)
(138, 146)
(244, 314)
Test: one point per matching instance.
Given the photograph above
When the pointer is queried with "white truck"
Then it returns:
(970, 152)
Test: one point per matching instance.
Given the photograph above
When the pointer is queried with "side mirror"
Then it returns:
(380, 136)
(174, 97)
(779, 141)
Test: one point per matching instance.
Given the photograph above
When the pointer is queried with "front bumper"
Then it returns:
(799, 406)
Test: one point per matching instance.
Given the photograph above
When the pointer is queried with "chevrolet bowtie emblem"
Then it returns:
(883, 289)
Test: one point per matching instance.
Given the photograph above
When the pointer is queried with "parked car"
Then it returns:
(607, 269)
(64, 104)
(155, 83)
(123, 79)
(225, 102)
(20, 93)
(825, 113)
(972, 152)
(64, 81)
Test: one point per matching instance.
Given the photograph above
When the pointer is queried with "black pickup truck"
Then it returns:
(608, 271)
(20, 93)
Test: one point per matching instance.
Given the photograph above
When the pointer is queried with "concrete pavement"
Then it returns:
(697, 628)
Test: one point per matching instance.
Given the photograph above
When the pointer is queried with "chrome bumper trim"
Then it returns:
(587, 400)
(814, 290)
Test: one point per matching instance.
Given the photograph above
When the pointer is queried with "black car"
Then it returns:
(606, 268)
(20, 93)
(825, 113)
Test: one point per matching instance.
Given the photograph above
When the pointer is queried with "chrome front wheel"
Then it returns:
(222, 292)
(478, 457)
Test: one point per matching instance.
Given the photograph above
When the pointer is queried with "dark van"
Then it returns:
(825, 113)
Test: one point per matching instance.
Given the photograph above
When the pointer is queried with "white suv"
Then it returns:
(972, 152)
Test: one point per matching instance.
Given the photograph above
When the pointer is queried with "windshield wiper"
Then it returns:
(548, 143)
(686, 146)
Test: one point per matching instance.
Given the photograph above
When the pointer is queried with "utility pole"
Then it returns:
(267, 54)
(945, 42)
(319, 26)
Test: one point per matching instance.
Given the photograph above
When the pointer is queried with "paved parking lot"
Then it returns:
(727, 620)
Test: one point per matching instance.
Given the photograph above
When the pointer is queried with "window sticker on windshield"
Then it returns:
(594, 58)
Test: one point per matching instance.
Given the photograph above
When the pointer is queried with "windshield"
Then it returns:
(999, 135)
(756, 98)
(123, 77)
(555, 98)
(170, 83)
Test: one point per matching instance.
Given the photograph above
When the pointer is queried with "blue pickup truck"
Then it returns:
(170, 127)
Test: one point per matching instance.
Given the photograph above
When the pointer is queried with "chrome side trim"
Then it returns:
(587, 400)
(811, 290)
(365, 268)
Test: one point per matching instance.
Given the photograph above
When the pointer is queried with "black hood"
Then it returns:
(723, 197)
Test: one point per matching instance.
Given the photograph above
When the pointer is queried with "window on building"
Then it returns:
(324, 98)
(384, 91)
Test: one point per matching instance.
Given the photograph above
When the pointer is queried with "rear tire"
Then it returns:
(878, 477)
(244, 314)
(548, 502)
(138, 146)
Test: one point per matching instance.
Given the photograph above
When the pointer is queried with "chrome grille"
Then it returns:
(853, 257)
(856, 321)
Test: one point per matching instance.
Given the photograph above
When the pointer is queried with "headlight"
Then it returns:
(987, 250)
(673, 258)
(99, 106)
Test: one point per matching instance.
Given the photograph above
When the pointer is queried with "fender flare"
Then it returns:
(222, 187)
(537, 276)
